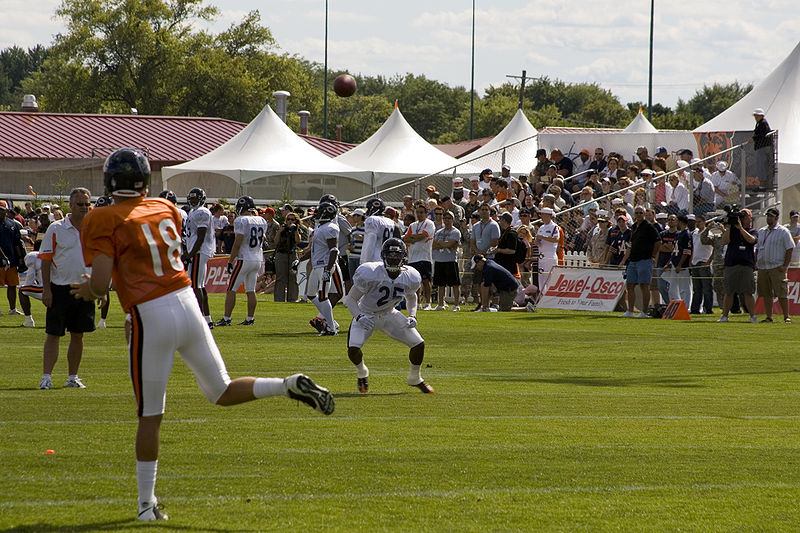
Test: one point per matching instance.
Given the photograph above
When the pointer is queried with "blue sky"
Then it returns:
(572, 40)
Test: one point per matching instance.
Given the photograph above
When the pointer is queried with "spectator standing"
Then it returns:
(547, 237)
(681, 259)
(640, 255)
(227, 234)
(286, 241)
(703, 192)
(505, 254)
(712, 236)
(702, 285)
(725, 183)
(62, 265)
(356, 240)
(617, 240)
(445, 267)
(564, 165)
(419, 239)
(773, 254)
(762, 144)
(740, 264)
(794, 230)
(596, 247)
(12, 251)
(542, 164)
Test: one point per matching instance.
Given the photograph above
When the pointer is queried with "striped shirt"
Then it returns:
(771, 246)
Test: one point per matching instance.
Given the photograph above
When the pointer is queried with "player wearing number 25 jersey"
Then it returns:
(137, 242)
(377, 288)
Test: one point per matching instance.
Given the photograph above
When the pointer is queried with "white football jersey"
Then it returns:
(320, 253)
(252, 228)
(380, 292)
(382, 229)
(33, 276)
(201, 218)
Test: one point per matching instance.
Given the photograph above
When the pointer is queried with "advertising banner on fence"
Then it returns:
(584, 289)
(793, 293)
(217, 276)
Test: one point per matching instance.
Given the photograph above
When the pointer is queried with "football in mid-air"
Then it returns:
(344, 85)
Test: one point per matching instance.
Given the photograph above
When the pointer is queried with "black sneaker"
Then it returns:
(318, 324)
(248, 322)
(301, 387)
(328, 332)
(223, 322)
(363, 385)
(424, 387)
(210, 325)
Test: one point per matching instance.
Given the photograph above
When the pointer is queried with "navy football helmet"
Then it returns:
(329, 199)
(326, 212)
(244, 203)
(103, 201)
(126, 172)
(169, 195)
(375, 206)
(393, 253)
(196, 197)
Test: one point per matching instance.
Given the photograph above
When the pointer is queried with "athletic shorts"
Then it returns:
(393, 323)
(639, 272)
(425, 268)
(321, 289)
(197, 270)
(68, 313)
(159, 328)
(772, 283)
(9, 277)
(445, 274)
(31, 291)
(244, 273)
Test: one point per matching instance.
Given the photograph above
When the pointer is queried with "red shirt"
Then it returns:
(142, 235)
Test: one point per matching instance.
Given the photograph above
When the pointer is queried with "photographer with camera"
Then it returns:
(740, 260)
(286, 240)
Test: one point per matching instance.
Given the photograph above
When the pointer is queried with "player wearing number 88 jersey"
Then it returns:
(246, 259)
(377, 288)
(137, 242)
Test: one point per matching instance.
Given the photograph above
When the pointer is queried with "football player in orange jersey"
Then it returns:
(136, 242)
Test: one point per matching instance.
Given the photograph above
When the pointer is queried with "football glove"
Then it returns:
(366, 321)
(293, 268)
(326, 275)
(412, 322)
(230, 268)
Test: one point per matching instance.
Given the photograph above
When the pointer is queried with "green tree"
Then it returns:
(359, 115)
(709, 102)
(17, 64)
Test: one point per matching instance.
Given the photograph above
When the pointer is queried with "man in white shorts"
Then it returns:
(325, 277)
(377, 288)
(30, 286)
(201, 245)
(547, 240)
(138, 238)
(245, 260)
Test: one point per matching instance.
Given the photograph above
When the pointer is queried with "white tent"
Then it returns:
(267, 160)
(520, 156)
(396, 152)
(779, 95)
(640, 124)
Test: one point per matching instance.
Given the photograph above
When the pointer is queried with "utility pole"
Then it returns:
(325, 82)
(472, 83)
(650, 81)
(521, 87)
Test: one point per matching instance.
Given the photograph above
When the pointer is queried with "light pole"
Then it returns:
(472, 82)
(325, 82)
(650, 81)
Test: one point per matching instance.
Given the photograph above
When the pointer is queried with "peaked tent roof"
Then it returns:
(640, 124)
(779, 95)
(266, 147)
(396, 152)
(520, 157)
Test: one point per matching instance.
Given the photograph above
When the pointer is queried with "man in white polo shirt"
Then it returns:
(62, 264)
(547, 240)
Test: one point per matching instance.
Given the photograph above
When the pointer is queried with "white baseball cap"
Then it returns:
(722, 165)
(758, 111)
(546, 211)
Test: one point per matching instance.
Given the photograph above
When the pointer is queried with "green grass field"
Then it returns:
(553, 421)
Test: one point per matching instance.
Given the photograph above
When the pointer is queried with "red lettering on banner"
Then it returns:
(588, 289)
(793, 295)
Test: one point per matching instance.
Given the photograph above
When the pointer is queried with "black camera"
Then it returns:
(734, 214)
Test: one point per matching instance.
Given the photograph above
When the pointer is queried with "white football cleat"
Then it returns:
(29, 323)
(151, 512)
(14, 312)
(46, 383)
(301, 387)
(101, 324)
(74, 383)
